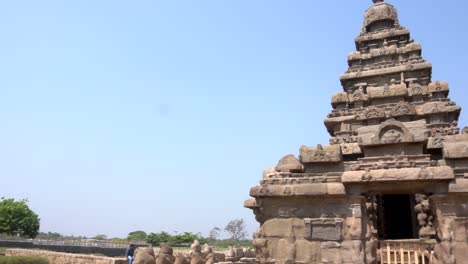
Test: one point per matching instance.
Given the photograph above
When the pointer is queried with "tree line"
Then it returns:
(18, 220)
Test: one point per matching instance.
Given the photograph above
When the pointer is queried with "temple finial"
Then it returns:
(377, 1)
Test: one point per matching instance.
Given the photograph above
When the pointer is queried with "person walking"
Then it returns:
(130, 253)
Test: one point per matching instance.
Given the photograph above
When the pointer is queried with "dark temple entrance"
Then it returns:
(397, 216)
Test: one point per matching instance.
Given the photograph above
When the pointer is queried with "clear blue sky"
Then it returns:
(160, 115)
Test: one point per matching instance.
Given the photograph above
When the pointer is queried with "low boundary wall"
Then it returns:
(110, 252)
(64, 258)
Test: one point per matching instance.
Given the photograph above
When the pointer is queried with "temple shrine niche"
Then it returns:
(392, 185)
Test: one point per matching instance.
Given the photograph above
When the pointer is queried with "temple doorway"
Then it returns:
(398, 220)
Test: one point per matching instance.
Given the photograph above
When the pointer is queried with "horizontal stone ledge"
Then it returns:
(459, 186)
(314, 189)
(392, 175)
(251, 203)
(382, 35)
(378, 72)
(456, 150)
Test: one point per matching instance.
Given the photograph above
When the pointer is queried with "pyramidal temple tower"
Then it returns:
(392, 185)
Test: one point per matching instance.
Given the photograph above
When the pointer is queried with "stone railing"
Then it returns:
(405, 251)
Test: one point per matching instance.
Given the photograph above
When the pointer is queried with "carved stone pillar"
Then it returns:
(372, 216)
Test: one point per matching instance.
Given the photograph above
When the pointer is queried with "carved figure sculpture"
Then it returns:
(144, 256)
(195, 247)
(392, 136)
(424, 214)
(196, 258)
(165, 255)
(180, 259)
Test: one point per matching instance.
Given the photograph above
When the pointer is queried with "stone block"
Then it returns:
(431, 108)
(307, 251)
(461, 230)
(323, 229)
(314, 189)
(435, 87)
(339, 98)
(320, 154)
(444, 253)
(460, 251)
(281, 227)
(456, 150)
(289, 163)
(459, 186)
(352, 252)
(330, 253)
(350, 149)
(389, 91)
(406, 174)
(353, 228)
(382, 134)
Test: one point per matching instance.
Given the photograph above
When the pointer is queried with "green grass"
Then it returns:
(22, 260)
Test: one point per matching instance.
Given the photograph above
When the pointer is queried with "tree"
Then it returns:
(157, 238)
(237, 229)
(137, 236)
(214, 233)
(16, 219)
(100, 237)
(187, 238)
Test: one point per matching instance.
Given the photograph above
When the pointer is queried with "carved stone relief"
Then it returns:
(393, 135)
(391, 132)
(436, 142)
(372, 112)
(402, 109)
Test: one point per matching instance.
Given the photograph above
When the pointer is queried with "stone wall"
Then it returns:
(232, 256)
(452, 229)
(64, 258)
(110, 252)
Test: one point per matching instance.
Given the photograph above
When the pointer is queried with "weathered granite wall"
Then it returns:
(65, 258)
(452, 229)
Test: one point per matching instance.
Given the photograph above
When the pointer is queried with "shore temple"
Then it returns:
(392, 184)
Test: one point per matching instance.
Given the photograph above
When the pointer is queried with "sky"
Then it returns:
(160, 115)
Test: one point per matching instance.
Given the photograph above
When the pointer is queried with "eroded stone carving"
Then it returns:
(402, 109)
(372, 216)
(425, 217)
(320, 154)
(372, 113)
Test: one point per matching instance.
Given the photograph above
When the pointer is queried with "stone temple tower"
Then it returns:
(392, 185)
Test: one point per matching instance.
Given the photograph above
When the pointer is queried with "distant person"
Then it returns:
(130, 253)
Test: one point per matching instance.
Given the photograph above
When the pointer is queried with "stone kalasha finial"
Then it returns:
(377, 1)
